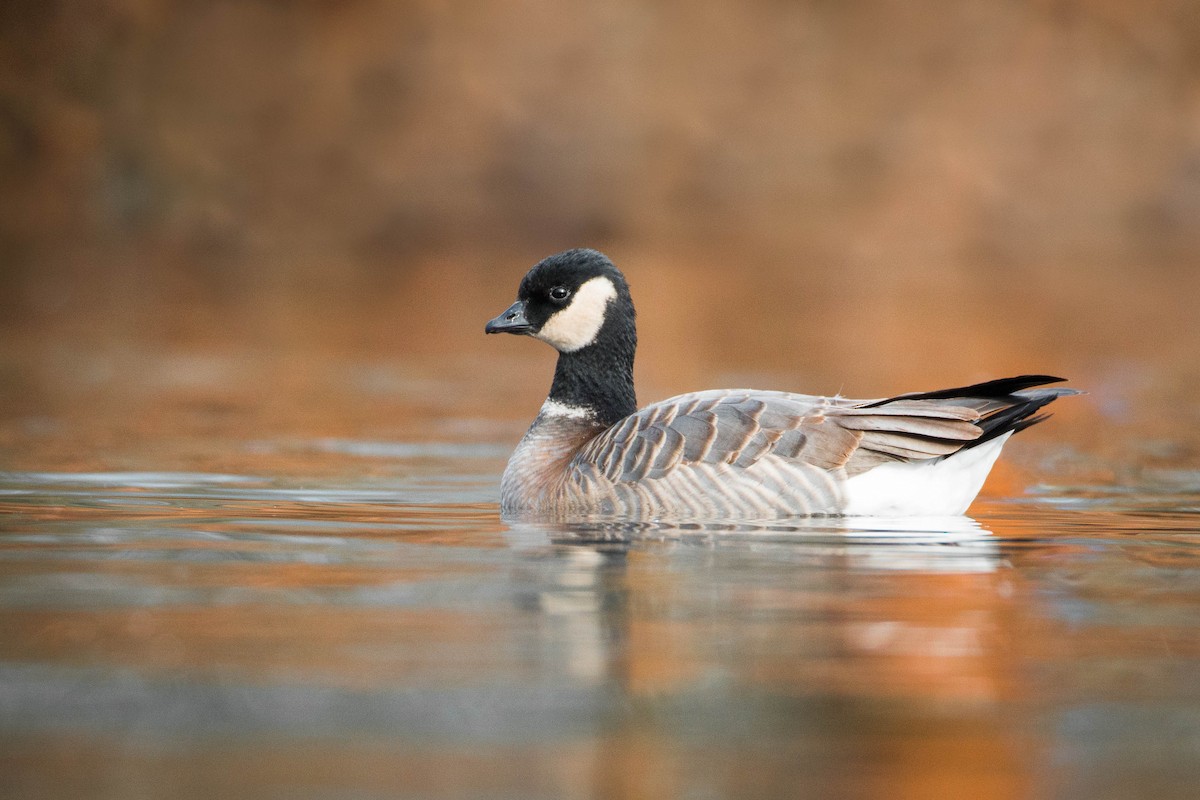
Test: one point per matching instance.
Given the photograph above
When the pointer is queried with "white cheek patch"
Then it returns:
(576, 326)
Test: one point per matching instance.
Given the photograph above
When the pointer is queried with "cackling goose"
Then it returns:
(735, 453)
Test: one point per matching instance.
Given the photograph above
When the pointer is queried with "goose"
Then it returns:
(732, 453)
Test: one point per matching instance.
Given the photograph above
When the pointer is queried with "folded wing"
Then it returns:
(741, 428)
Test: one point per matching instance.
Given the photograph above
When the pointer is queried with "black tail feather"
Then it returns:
(1000, 387)
(1023, 402)
(1030, 422)
(1016, 418)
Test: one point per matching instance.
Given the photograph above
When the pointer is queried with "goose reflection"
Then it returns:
(805, 596)
(791, 625)
(922, 544)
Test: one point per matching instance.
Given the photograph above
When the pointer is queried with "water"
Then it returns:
(383, 633)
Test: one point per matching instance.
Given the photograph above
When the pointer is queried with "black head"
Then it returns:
(578, 302)
(567, 300)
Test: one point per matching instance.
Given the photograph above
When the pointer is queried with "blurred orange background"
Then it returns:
(212, 213)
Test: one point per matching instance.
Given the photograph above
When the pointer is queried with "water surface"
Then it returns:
(386, 634)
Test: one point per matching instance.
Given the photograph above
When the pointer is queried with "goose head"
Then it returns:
(571, 300)
(578, 303)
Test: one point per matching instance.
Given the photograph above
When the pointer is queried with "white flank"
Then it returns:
(576, 326)
(945, 486)
(553, 408)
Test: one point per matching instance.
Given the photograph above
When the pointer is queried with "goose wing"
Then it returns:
(740, 427)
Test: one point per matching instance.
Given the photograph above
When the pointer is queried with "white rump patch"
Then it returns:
(576, 326)
(943, 486)
(553, 408)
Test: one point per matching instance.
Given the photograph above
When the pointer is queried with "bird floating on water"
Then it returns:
(732, 453)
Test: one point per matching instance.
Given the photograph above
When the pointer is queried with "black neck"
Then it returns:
(599, 377)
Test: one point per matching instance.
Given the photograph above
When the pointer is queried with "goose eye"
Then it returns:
(560, 293)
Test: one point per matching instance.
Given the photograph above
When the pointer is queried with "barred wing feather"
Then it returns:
(741, 427)
(746, 452)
